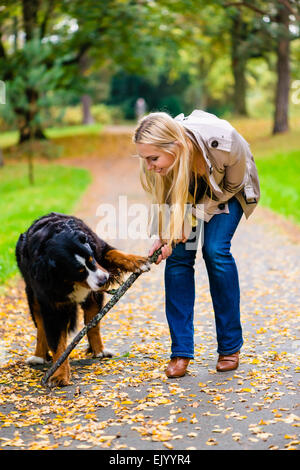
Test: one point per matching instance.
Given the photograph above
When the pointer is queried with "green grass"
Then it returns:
(279, 175)
(67, 131)
(56, 188)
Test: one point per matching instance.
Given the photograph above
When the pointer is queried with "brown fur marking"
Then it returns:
(94, 336)
(41, 349)
(61, 377)
(125, 261)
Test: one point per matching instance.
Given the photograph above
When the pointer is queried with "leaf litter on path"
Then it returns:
(127, 402)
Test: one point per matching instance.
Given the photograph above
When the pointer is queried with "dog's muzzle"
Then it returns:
(97, 279)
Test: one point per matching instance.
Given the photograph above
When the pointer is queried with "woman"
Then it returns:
(204, 161)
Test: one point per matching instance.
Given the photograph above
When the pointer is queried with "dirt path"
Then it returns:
(127, 402)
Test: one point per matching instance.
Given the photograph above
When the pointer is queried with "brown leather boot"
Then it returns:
(229, 362)
(177, 367)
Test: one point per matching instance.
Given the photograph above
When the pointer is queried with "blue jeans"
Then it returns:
(223, 282)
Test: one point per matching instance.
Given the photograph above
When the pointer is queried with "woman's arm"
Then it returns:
(235, 171)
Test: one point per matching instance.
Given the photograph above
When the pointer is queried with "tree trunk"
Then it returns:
(26, 132)
(30, 9)
(238, 63)
(87, 117)
(86, 101)
(24, 135)
(30, 165)
(28, 129)
(200, 97)
(281, 120)
(239, 96)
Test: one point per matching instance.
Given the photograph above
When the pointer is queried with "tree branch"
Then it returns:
(289, 7)
(117, 294)
(83, 49)
(30, 11)
(248, 5)
(46, 18)
(2, 50)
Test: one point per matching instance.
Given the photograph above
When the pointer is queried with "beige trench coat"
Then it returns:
(230, 165)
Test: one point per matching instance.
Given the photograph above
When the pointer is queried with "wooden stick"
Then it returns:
(115, 298)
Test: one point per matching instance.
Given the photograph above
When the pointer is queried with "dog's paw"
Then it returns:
(61, 377)
(35, 360)
(59, 380)
(145, 267)
(142, 267)
(138, 264)
(105, 353)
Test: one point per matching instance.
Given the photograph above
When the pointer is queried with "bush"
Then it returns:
(102, 114)
(107, 114)
(171, 105)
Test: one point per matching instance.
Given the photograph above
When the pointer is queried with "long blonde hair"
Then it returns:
(161, 130)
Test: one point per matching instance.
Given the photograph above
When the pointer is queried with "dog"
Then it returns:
(65, 265)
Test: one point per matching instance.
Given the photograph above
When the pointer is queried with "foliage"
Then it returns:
(60, 41)
(155, 46)
(72, 115)
(161, 94)
(31, 90)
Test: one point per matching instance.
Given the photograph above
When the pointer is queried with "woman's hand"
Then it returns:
(165, 250)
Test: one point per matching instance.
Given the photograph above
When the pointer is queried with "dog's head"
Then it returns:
(71, 258)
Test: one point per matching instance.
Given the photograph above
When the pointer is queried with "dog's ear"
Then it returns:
(82, 238)
(41, 271)
(51, 263)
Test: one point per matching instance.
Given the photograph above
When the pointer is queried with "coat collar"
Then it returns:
(199, 141)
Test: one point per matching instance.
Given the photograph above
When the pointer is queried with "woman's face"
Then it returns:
(156, 159)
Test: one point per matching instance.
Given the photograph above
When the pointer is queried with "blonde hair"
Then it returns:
(161, 130)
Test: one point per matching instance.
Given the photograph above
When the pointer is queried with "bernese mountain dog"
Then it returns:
(65, 265)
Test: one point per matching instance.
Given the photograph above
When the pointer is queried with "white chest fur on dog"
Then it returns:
(79, 293)
(93, 279)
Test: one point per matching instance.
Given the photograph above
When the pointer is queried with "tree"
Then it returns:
(202, 39)
(60, 36)
(85, 98)
(279, 15)
(249, 39)
(238, 63)
(31, 87)
(32, 69)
